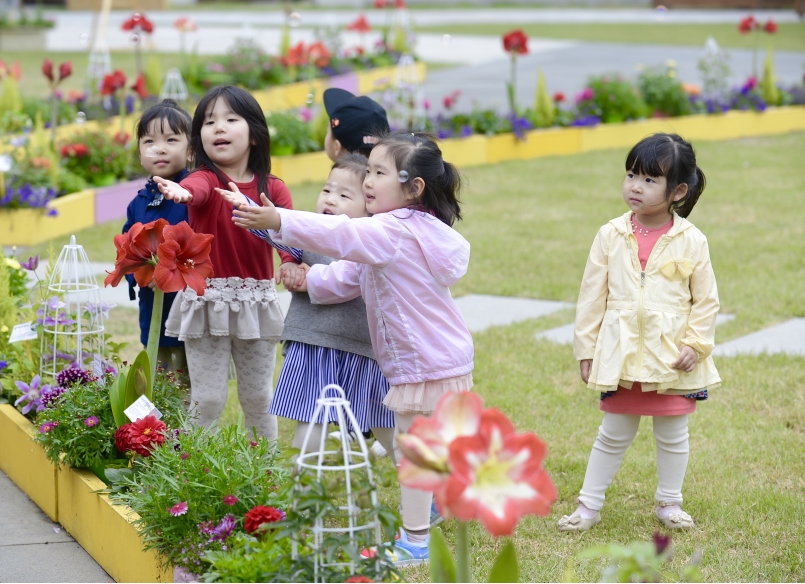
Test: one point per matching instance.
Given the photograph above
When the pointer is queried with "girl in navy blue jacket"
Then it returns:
(163, 146)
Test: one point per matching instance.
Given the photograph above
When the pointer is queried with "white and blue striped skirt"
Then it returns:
(308, 368)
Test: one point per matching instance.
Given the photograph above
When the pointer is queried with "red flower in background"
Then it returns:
(47, 69)
(319, 55)
(559, 97)
(360, 24)
(65, 70)
(141, 436)
(770, 27)
(185, 24)
(139, 21)
(399, 3)
(747, 24)
(451, 98)
(112, 82)
(139, 87)
(184, 259)
(297, 56)
(136, 253)
(76, 150)
(380, 3)
(257, 516)
(14, 70)
(516, 42)
(121, 138)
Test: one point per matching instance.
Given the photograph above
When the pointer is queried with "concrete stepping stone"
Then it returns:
(563, 335)
(481, 311)
(787, 338)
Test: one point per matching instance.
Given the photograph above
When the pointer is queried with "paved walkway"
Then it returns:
(34, 549)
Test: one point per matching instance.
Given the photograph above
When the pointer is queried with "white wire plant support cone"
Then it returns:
(409, 110)
(173, 87)
(332, 466)
(72, 316)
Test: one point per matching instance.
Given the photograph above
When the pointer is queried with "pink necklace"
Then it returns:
(644, 231)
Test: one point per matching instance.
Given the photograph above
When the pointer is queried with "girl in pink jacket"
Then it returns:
(402, 260)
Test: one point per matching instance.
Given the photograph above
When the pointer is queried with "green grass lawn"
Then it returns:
(790, 36)
(531, 224)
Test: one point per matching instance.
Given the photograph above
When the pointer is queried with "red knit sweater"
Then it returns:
(235, 252)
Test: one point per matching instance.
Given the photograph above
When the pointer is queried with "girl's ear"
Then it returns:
(680, 192)
(418, 186)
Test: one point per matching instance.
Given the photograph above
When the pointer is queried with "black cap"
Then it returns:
(356, 121)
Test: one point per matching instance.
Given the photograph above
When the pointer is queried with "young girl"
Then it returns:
(239, 313)
(328, 343)
(645, 325)
(403, 261)
(163, 135)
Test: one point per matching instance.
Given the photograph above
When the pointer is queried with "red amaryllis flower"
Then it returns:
(141, 436)
(137, 253)
(747, 24)
(112, 82)
(318, 54)
(516, 42)
(185, 24)
(47, 69)
(360, 24)
(65, 70)
(380, 3)
(76, 150)
(770, 27)
(497, 476)
(297, 56)
(139, 87)
(399, 3)
(138, 21)
(257, 516)
(184, 259)
(558, 97)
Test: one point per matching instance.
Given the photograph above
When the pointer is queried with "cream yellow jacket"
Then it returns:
(632, 322)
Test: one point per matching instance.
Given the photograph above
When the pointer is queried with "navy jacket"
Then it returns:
(147, 206)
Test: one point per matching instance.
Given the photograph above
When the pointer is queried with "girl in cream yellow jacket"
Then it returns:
(645, 325)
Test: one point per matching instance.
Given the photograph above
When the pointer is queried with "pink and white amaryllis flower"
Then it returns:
(426, 446)
(497, 476)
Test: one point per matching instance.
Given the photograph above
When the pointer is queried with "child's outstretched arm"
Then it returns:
(591, 305)
(173, 191)
(701, 332)
(333, 283)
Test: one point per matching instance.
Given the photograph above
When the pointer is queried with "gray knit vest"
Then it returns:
(336, 326)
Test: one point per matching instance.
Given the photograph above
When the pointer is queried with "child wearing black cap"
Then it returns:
(356, 123)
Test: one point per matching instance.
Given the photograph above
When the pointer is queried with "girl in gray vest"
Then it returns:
(330, 343)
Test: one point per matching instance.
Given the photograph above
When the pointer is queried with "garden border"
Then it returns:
(69, 496)
(30, 226)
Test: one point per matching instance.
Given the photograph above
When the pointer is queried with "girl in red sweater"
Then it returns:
(239, 313)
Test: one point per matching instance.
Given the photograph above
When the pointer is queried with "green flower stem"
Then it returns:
(153, 333)
(54, 117)
(462, 553)
(513, 86)
(122, 114)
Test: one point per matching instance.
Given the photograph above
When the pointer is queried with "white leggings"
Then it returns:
(615, 435)
(208, 362)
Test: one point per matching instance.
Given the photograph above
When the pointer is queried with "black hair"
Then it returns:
(420, 157)
(243, 104)
(353, 162)
(669, 155)
(168, 110)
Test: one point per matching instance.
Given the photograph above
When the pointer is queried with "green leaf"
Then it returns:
(138, 381)
(442, 564)
(505, 568)
(117, 393)
(115, 475)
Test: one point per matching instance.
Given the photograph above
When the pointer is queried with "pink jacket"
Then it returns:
(403, 263)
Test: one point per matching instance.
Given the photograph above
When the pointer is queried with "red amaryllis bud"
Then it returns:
(47, 69)
(65, 70)
(771, 27)
(516, 42)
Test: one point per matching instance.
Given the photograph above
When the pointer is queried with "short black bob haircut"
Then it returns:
(179, 121)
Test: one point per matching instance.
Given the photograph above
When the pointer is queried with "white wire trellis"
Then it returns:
(334, 405)
(72, 313)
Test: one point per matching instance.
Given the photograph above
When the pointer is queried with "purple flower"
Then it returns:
(31, 264)
(223, 529)
(32, 394)
(52, 212)
(466, 131)
(178, 509)
(3, 365)
(47, 427)
(73, 375)
(54, 303)
(51, 396)
(184, 456)
(661, 542)
(91, 422)
(102, 308)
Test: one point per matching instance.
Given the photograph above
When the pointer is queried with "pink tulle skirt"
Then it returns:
(421, 398)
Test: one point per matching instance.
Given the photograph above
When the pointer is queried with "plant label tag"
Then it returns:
(142, 408)
(22, 332)
(98, 369)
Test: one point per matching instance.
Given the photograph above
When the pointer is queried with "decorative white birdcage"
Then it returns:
(409, 110)
(173, 87)
(335, 466)
(72, 314)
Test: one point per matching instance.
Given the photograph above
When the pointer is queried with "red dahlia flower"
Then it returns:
(141, 436)
(184, 259)
(259, 515)
(516, 41)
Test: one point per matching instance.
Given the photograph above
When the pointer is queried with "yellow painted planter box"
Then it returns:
(24, 461)
(302, 168)
(469, 151)
(25, 227)
(104, 530)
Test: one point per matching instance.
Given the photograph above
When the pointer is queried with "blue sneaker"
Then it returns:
(404, 552)
(435, 516)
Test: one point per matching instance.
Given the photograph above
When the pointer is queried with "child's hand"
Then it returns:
(292, 276)
(233, 197)
(265, 217)
(302, 285)
(173, 191)
(687, 359)
(585, 365)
